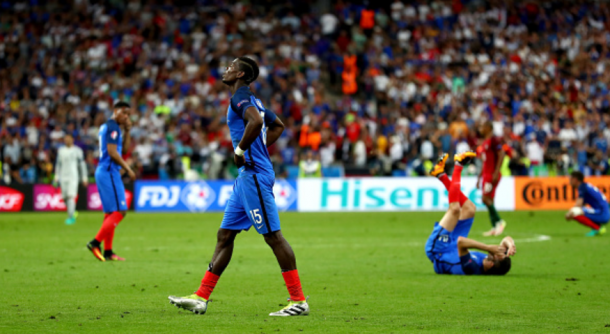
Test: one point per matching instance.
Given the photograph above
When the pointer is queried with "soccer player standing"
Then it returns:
(492, 154)
(252, 203)
(69, 159)
(597, 214)
(108, 179)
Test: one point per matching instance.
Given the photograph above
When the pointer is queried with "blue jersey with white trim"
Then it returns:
(472, 263)
(593, 197)
(257, 156)
(110, 133)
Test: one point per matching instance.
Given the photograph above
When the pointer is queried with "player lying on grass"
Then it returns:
(252, 203)
(448, 246)
(597, 214)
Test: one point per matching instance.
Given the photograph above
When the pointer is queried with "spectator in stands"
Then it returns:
(310, 166)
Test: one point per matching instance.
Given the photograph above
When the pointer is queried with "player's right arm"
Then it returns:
(509, 244)
(116, 157)
(464, 244)
(580, 201)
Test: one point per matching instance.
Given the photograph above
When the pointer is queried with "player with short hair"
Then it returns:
(252, 203)
(69, 160)
(597, 214)
(448, 245)
(108, 179)
(492, 154)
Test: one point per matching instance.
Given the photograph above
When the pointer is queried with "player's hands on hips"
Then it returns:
(239, 160)
(131, 174)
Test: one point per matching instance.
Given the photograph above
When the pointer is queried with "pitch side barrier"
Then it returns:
(311, 195)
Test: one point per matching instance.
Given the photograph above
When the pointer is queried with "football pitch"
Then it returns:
(364, 273)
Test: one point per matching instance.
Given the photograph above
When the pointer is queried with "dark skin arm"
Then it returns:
(274, 131)
(254, 125)
(126, 136)
(496, 174)
(116, 157)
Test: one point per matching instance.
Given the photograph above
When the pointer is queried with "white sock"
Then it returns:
(71, 207)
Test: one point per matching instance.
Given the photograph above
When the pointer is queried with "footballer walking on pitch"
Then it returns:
(252, 203)
(108, 180)
(69, 161)
(597, 214)
(448, 245)
(492, 154)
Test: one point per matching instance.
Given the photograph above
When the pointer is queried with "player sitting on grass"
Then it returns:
(448, 245)
(597, 215)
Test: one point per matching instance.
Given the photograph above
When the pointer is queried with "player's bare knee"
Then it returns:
(274, 239)
(487, 200)
(225, 237)
(123, 213)
(468, 209)
(454, 208)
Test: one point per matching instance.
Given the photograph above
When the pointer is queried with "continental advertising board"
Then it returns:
(552, 193)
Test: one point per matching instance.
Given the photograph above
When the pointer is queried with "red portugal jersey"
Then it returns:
(489, 154)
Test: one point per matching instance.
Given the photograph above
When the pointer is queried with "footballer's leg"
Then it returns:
(439, 172)
(260, 202)
(198, 302)
(234, 221)
(489, 192)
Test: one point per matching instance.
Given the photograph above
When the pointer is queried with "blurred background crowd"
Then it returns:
(364, 88)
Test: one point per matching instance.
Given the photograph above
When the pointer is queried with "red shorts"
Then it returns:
(488, 187)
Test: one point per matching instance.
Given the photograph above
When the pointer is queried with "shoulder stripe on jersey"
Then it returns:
(260, 198)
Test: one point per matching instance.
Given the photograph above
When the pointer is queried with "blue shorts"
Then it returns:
(441, 247)
(252, 204)
(598, 216)
(111, 190)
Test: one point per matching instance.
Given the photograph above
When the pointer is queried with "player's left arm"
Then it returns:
(464, 244)
(83, 167)
(254, 126)
(126, 136)
(580, 201)
(57, 168)
(501, 155)
(275, 127)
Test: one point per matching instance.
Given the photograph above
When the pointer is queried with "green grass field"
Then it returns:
(364, 273)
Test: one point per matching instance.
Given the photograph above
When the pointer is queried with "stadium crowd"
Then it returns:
(381, 90)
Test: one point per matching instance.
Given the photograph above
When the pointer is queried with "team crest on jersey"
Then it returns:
(114, 134)
(241, 102)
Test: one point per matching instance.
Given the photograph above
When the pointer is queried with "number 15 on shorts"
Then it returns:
(256, 217)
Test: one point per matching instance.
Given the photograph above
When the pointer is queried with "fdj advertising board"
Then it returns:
(392, 194)
(200, 196)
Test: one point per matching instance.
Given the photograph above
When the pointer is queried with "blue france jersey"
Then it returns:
(593, 197)
(472, 263)
(257, 156)
(110, 133)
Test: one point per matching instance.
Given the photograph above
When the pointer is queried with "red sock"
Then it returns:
(587, 222)
(455, 189)
(445, 180)
(208, 283)
(106, 232)
(293, 284)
